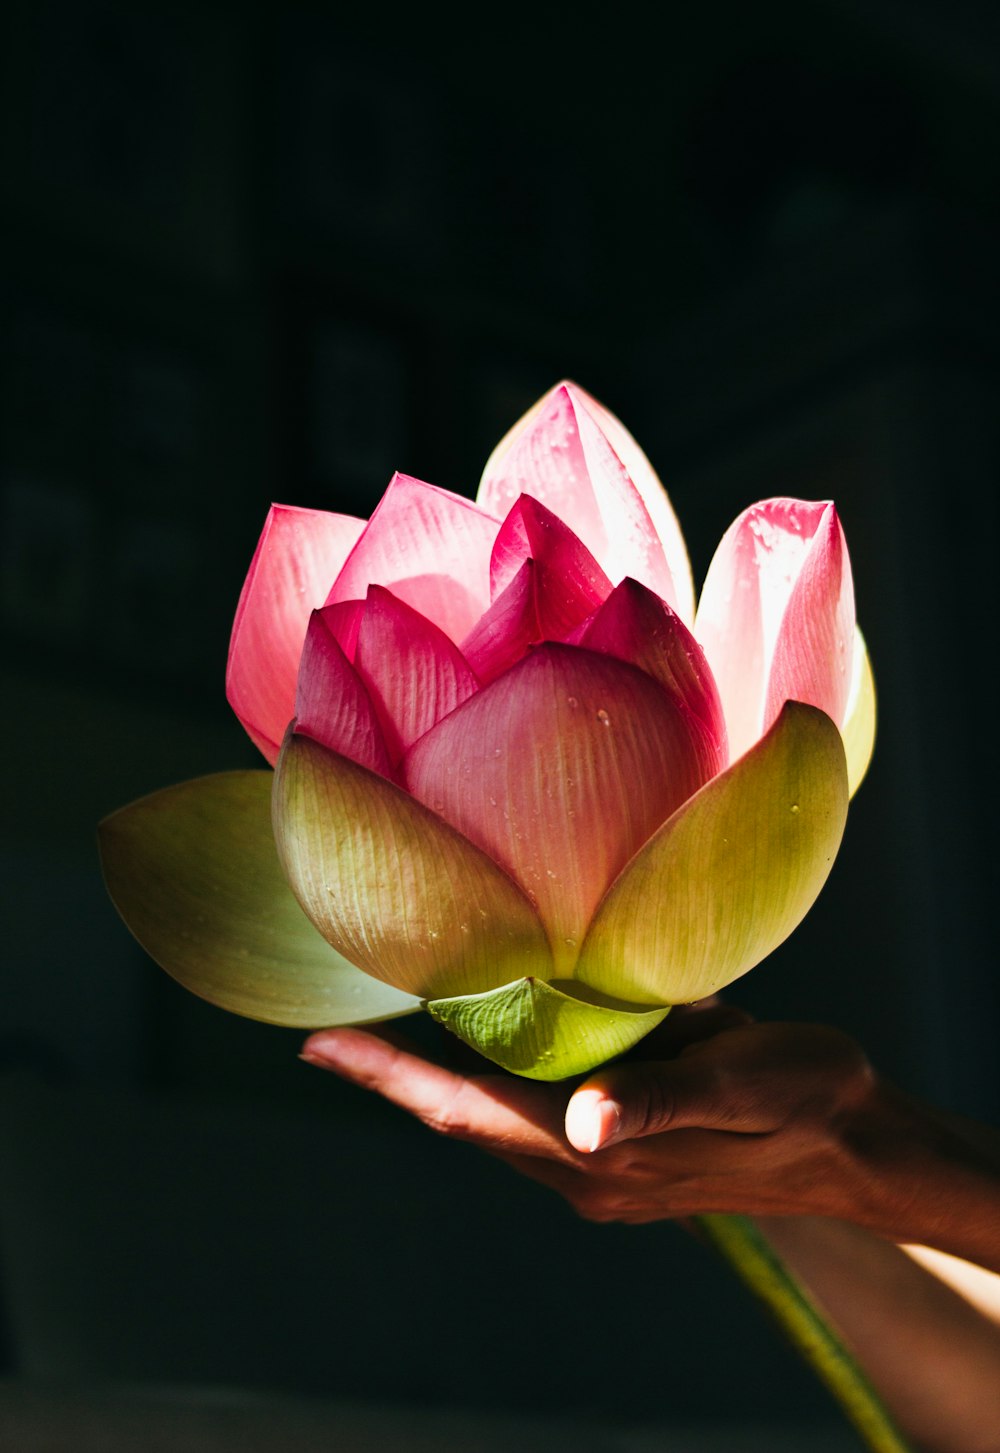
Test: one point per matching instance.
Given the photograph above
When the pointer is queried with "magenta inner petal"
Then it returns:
(510, 549)
(531, 530)
(569, 583)
(635, 625)
(414, 673)
(343, 621)
(332, 706)
(508, 629)
(557, 585)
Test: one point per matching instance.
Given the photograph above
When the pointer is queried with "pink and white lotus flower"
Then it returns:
(518, 780)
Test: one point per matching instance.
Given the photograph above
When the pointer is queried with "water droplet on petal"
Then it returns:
(603, 717)
(795, 807)
(571, 701)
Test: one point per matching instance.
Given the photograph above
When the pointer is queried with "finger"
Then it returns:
(749, 1080)
(628, 1101)
(493, 1111)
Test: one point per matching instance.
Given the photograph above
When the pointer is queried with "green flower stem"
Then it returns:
(737, 1239)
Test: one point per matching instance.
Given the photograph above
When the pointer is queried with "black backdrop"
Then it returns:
(275, 253)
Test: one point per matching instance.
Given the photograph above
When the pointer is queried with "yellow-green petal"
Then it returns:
(730, 875)
(858, 729)
(546, 1031)
(194, 872)
(394, 888)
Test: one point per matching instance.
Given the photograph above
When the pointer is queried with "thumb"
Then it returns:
(645, 1099)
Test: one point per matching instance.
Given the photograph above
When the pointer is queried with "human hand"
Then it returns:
(785, 1122)
(733, 1117)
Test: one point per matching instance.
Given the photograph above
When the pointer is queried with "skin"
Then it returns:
(849, 1178)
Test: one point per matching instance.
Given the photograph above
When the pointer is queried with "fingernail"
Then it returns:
(592, 1120)
(321, 1052)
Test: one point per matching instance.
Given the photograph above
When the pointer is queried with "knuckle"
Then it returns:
(842, 1062)
(440, 1122)
(657, 1105)
(446, 1118)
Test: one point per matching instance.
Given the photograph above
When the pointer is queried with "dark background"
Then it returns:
(275, 253)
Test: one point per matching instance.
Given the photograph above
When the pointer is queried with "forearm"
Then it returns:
(918, 1174)
(932, 1355)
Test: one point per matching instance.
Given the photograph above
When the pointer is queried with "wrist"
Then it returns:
(917, 1174)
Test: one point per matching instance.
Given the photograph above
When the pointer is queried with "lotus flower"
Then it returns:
(517, 780)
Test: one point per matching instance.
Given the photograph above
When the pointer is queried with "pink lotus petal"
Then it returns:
(508, 629)
(812, 655)
(569, 582)
(298, 555)
(560, 456)
(654, 497)
(343, 621)
(528, 766)
(777, 552)
(635, 625)
(431, 549)
(510, 548)
(414, 674)
(331, 703)
(545, 582)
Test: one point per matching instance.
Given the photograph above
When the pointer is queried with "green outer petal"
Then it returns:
(393, 887)
(194, 873)
(546, 1031)
(727, 878)
(858, 730)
